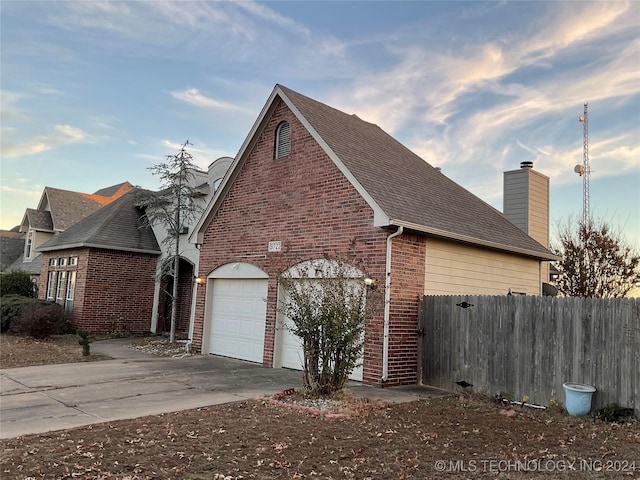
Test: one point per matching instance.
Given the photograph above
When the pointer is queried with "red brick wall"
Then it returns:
(185, 292)
(114, 290)
(407, 286)
(305, 202)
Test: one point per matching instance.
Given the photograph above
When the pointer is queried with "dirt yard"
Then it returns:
(452, 438)
(18, 351)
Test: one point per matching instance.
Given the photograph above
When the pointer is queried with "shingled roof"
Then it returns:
(58, 209)
(116, 226)
(114, 191)
(39, 219)
(402, 189)
(11, 248)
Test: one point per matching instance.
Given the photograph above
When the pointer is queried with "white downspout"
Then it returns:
(387, 299)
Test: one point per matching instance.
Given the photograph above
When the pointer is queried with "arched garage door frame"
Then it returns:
(235, 311)
(288, 347)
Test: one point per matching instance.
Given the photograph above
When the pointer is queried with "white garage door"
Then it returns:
(292, 354)
(238, 318)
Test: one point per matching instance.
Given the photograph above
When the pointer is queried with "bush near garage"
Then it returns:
(32, 317)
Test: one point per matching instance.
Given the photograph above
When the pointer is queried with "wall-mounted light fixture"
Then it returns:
(201, 280)
(370, 283)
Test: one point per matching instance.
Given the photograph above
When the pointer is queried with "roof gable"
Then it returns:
(116, 226)
(38, 220)
(66, 207)
(401, 187)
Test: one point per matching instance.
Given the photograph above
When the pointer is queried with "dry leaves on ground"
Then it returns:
(452, 438)
(16, 351)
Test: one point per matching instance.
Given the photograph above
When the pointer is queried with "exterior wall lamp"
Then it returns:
(201, 280)
(370, 283)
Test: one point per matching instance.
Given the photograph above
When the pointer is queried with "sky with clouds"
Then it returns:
(94, 93)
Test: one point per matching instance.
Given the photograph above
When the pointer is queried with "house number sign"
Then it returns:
(275, 246)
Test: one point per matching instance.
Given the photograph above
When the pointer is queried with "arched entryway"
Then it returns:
(185, 295)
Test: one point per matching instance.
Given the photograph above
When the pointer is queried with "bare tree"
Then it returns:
(173, 208)
(596, 262)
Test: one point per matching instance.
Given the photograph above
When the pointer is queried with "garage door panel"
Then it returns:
(238, 318)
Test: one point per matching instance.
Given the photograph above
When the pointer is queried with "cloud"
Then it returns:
(194, 97)
(8, 110)
(21, 192)
(467, 103)
(202, 154)
(264, 12)
(66, 135)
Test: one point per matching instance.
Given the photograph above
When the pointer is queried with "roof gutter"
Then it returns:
(96, 245)
(475, 241)
(387, 299)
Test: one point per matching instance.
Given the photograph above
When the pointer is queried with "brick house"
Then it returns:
(102, 269)
(311, 182)
(57, 210)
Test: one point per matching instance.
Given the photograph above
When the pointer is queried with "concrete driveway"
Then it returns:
(55, 397)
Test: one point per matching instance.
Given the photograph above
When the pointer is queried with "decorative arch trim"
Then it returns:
(322, 268)
(238, 270)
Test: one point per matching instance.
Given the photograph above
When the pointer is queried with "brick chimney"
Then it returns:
(526, 204)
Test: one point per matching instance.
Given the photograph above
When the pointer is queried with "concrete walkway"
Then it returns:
(134, 384)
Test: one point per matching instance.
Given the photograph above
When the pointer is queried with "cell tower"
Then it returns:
(584, 170)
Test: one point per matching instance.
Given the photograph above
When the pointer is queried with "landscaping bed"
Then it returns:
(451, 437)
(290, 437)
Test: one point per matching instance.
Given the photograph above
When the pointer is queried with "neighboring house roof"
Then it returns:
(114, 190)
(11, 248)
(39, 220)
(401, 188)
(66, 208)
(116, 226)
(33, 266)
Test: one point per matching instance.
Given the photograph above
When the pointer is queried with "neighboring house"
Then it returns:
(102, 269)
(58, 210)
(205, 183)
(310, 182)
(11, 247)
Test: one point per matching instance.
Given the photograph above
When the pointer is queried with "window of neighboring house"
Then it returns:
(28, 245)
(60, 290)
(62, 262)
(51, 285)
(53, 262)
(283, 140)
(71, 287)
(73, 261)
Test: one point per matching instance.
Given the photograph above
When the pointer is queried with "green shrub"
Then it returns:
(85, 342)
(17, 282)
(41, 321)
(328, 310)
(11, 308)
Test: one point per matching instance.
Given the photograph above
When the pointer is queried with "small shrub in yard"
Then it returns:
(41, 321)
(85, 342)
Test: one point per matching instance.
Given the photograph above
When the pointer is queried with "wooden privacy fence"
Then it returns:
(529, 345)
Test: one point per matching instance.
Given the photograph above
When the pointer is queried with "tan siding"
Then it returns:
(539, 210)
(456, 269)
